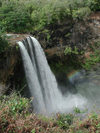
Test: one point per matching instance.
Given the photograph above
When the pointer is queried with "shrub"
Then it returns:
(14, 18)
(95, 5)
(15, 103)
(80, 12)
(16, 118)
(94, 56)
(64, 121)
(69, 51)
(3, 43)
(32, 15)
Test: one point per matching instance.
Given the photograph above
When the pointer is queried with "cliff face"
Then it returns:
(8, 62)
(11, 68)
(70, 33)
(81, 34)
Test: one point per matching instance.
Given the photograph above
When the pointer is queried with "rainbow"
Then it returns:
(73, 75)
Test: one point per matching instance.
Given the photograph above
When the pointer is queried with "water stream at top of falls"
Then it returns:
(42, 83)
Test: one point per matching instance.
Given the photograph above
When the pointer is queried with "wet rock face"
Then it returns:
(81, 34)
(14, 38)
(3, 88)
(55, 35)
(68, 33)
(71, 33)
(11, 70)
(8, 61)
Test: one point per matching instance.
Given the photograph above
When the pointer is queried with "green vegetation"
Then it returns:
(14, 17)
(94, 56)
(69, 51)
(28, 16)
(64, 121)
(95, 5)
(15, 116)
(3, 43)
(14, 103)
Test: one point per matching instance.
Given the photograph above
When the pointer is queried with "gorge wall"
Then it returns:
(54, 40)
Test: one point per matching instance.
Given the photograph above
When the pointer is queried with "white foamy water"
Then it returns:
(42, 82)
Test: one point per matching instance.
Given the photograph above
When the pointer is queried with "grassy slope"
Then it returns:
(15, 117)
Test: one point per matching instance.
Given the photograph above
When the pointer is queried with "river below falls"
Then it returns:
(86, 84)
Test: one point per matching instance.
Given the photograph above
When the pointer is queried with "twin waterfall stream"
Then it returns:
(47, 98)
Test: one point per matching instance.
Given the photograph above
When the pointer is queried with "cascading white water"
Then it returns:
(42, 82)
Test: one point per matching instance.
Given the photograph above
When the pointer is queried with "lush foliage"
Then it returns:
(3, 43)
(95, 5)
(94, 56)
(15, 117)
(14, 18)
(64, 121)
(69, 51)
(88, 62)
(31, 15)
(14, 104)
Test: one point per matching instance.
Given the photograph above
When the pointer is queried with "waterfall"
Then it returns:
(42, 83)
